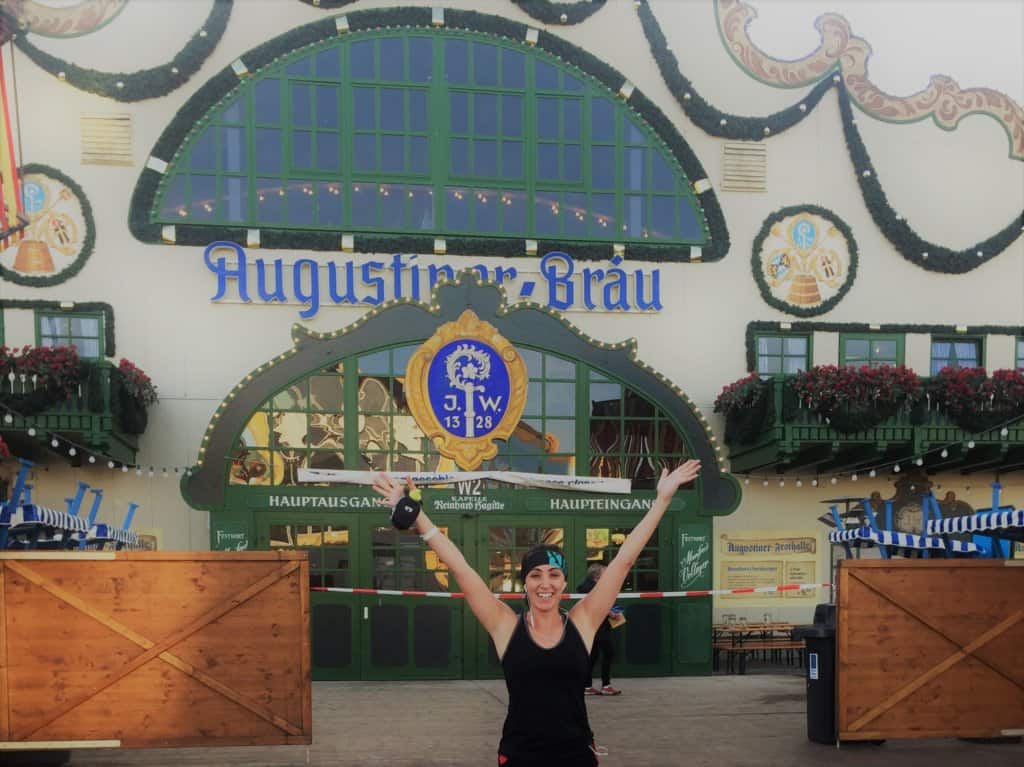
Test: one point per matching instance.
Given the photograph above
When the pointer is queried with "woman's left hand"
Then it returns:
(683, 474)
(390, 489)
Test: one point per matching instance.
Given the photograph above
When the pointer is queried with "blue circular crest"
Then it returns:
(468, 388)
(33, 196)
(804, 234)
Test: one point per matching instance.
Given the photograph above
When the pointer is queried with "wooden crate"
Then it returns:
(154, 649)
(930, 648)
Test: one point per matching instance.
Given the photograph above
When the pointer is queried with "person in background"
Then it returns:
(603, 646)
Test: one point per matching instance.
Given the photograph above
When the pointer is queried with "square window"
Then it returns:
(364, 204)
(513, 69)
(485, 114)
(485, 64)
(392, 58)
(421, 59)
(360, 62)
(456, 62)
(392, 109)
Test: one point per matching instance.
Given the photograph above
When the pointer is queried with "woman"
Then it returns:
(545, 652)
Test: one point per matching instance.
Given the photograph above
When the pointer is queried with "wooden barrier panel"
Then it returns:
(154, 649)
(930, 648)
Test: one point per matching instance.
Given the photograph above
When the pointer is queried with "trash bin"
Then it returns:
(821, 674)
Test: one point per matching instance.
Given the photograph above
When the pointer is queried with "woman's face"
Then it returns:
(545, 585)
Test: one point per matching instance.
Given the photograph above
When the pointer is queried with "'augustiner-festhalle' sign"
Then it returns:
(466, 387)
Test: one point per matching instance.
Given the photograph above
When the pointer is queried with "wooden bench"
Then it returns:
(770, 648)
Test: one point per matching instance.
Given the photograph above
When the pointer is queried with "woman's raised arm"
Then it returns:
(493, 615)
(591, 610)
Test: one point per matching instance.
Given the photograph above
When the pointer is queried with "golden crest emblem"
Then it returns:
(805, 260)
(466, 388)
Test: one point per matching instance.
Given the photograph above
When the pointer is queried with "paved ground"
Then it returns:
(758, 719)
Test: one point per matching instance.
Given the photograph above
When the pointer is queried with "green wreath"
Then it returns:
(88, 242)
(755, 260)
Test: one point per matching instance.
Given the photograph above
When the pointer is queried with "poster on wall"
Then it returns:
(755, 559)
(694, 558)
(231, 536)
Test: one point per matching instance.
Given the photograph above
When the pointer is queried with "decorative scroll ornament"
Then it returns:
(466, 387)
(804, 260)
(64, 20)
(943, 100)
(60, 233)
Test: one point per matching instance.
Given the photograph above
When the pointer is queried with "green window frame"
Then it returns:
(782, 353)
(871, 349)
(84, 330)
(956, 352)
(1019, 362)
(603, 543)
(353, 414)
(432, 131)
(329, 547)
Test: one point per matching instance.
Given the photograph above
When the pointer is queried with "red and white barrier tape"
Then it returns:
(624, 595)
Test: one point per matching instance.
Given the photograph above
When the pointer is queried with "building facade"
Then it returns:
(273, 207)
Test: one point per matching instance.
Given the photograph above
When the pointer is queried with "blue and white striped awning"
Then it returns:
(977, 523)
(902, 540)
(30, 515)
(104, 533)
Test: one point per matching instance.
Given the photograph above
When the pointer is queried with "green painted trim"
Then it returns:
(38, 315)
(145, 83)
(759, 326)
(88, 242)
(1018, 355)
(542, 10)
(85, 307)
(223, 84)
(755, 260)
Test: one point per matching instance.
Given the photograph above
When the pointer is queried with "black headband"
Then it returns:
(540, 557)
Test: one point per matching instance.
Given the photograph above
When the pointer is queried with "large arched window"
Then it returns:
(353, 414)
(434, 132)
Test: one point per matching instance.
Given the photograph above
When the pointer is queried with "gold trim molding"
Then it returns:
(943, 100)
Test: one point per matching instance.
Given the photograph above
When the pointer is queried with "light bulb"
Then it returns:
(814, 483)
(896, 468)
(970, 445)
(944, 453)
(833, 480)
(110, 464)
(872, 473)
(54, 442)
(854, 477)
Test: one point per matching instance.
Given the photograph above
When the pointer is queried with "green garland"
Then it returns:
(146, 83)
(88, 242)
(85, 306)
(706, 117)
(908, 243)
(221, 84)
(759, 326)
(755, 260)
(542, 10)
(552, 13)
(896, 230)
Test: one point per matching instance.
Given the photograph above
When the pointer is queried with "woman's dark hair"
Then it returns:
(543, 554)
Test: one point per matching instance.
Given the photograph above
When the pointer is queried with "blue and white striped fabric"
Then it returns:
(29, 515)
(104, 533)
(902, 540)
(974, 523)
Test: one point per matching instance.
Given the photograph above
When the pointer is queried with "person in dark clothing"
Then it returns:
(545, 651)
(603, 646)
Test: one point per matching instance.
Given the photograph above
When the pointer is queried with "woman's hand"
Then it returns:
(683, 474)
(390, 489)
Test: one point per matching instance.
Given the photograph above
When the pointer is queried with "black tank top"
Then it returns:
(547, 717)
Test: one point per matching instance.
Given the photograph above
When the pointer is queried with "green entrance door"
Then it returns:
(408, 637)
(334, 627)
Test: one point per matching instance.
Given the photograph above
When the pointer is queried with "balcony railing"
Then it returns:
(786, 436)
(97, 416)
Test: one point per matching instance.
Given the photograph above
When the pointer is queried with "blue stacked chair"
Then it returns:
(994, 529)
(891, 542)
(101, 534)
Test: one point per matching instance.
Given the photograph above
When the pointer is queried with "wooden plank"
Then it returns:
(929, 649)
(46, 745)
(5, 718)
(154, 650)
(65, 555)
(260, 645)
(933, 672)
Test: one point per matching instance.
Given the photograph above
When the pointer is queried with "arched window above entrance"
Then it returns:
(577, 420)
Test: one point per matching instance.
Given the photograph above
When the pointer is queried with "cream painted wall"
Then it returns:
(196, 350)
